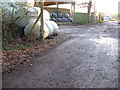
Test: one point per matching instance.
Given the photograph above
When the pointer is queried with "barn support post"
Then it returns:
(73, 11)
(57, 10)
(89, 10)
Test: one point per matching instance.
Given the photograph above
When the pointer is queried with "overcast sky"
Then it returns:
(108, 6)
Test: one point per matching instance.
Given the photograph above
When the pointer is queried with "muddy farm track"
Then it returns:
(88, 59)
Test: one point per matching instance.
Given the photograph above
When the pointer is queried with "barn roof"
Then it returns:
(53, 2)
(59, 0)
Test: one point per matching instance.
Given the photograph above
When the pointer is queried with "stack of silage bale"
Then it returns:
(50, 25)
(25, 14)
(6, 7)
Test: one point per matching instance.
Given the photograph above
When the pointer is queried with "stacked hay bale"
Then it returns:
(25, 15)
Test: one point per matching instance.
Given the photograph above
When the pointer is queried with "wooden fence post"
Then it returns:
(42, 20)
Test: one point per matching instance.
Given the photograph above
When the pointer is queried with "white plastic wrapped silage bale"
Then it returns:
(36, 30)
(26, 14)
(55, 27)
(35, 12)
(27, 3)
(46, 15)
(21, 14)
(50, 27)
(32, 20)
(6, 3)
(7, 13)
(7, 9)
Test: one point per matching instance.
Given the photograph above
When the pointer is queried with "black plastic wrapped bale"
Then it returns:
(54, 15)
(65, 19)
(60, 15)
(71, 19)
(50, 15)
(59, 19)
(65, 15)
(53, 19)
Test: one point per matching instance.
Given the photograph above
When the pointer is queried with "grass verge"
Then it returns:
(16, 52)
